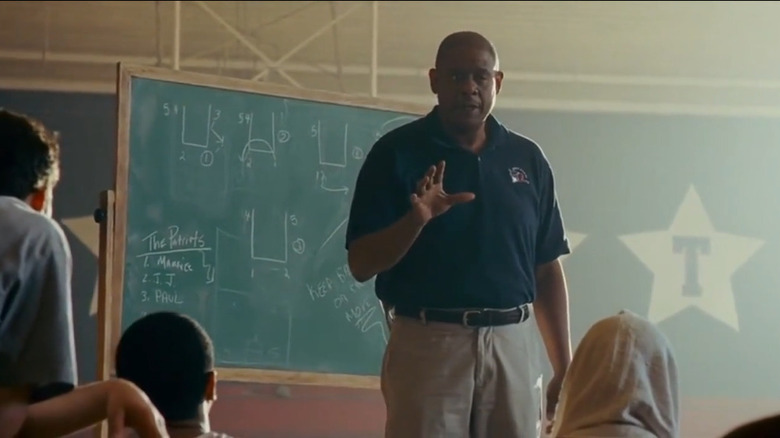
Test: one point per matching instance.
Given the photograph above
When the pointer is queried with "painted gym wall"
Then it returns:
(673, 217)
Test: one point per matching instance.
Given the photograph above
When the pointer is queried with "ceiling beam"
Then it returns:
(374, 70)
(279, 63)
(176, 35)
(509, 103)
(48, 85)
(250, 65)
(243, 39)
(616, 106)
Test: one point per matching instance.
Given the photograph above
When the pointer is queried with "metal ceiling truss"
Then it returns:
(284, 65)
(279, 64)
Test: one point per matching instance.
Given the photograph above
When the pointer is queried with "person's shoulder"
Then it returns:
(412, 126)
(525, 147)
(401, 136)
(521, 142)
(49, 236)
(394, 143)
(35, 231)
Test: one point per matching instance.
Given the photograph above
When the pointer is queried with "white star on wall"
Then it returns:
(88, 232)
(692, 264)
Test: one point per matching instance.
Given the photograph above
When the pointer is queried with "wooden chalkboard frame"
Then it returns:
(113, 257)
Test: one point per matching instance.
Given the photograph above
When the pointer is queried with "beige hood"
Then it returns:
(622, 382)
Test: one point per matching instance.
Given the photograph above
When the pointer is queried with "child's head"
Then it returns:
(171, 358)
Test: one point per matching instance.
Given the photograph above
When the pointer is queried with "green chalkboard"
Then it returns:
(235, 198)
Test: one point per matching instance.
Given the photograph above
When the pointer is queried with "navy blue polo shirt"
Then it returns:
(479, 254)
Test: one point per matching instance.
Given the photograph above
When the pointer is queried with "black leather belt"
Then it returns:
(468, 318)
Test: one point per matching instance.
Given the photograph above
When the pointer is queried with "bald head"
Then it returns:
(465, 39)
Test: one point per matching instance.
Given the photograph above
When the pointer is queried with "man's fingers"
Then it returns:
(438, 177)
(421, 185)
(427, 181)
(459, 198)
(425, 185)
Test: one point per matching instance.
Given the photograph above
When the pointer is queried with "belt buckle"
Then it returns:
(466, 314)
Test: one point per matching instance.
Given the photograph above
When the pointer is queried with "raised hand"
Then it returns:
(430, 199)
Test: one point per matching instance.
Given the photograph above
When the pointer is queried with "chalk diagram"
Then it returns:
(259, 145)
(331, 154)
(203, 139)
(335, 154)
(270, 245)
(267, 241)
(199, 154)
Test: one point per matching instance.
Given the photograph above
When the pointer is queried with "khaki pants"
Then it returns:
(449, 381)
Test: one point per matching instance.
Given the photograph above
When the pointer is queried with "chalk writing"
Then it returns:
(165, 262)
(159, 278)
(161, 296)
(360, 311)
(174, 241)
(321, 289)
(179, 240)
(364, 316)
(167, 297)
(175, 266)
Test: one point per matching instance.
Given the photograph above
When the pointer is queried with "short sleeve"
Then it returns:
(379, 199)
(551, 240)
(37, 342)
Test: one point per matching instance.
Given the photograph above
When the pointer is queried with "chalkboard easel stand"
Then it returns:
(104, 216)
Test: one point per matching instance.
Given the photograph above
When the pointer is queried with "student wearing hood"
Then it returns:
(622, 383)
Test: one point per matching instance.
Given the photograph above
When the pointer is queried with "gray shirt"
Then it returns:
(37, 345)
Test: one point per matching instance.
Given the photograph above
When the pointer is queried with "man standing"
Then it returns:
(460, 255)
